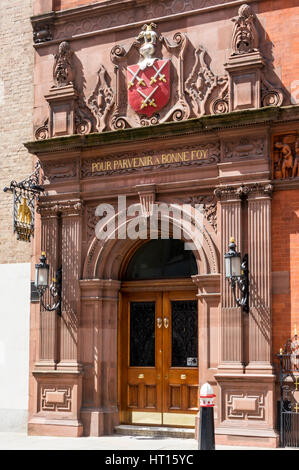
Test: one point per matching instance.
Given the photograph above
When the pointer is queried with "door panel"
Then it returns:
(141, 364)
(180, 358)
(159, 355)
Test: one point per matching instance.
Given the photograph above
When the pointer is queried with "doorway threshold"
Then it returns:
(154, 431)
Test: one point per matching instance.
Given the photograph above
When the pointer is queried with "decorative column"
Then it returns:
(259, 256)
(48, 353)
(231, 353)
(59, 387)
(248, 399)
(98, 340)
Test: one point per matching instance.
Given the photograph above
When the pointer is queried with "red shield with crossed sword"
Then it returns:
(149, 89)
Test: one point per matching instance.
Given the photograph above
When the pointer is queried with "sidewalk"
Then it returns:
(17, 441)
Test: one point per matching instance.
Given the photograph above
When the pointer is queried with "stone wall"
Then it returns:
(16, 104)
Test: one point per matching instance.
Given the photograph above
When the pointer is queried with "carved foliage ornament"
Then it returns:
(245, 37)
(202, 85)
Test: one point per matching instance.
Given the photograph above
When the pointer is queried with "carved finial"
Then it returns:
(147, 50)
(62, 72)
(245, 36)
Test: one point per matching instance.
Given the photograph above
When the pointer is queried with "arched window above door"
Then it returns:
(161, 259)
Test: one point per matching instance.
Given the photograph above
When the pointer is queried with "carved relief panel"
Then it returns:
(285, 156)
(156, 79)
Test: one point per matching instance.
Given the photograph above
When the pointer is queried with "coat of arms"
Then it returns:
(149, 80)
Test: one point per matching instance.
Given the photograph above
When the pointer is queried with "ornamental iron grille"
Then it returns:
(184, 333)
(142, 334)
(24, 196)
(289, 393)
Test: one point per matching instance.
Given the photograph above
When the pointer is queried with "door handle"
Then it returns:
(159, 322)
(166, 322)
(141, 376)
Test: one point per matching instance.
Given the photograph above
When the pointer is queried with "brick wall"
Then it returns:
(285, 258)
(280, 19)
(16, 103)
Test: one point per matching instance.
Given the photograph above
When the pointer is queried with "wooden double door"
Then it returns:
(159, 358)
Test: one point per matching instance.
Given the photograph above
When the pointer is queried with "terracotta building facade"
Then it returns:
(188, 109)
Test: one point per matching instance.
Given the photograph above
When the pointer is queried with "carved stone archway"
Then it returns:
(100, 288)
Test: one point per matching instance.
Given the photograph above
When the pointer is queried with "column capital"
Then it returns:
(260, 190)
(70, 207)
(250, 191)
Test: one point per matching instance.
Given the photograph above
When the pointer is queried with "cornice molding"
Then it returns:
(92, 14)
(167, 131)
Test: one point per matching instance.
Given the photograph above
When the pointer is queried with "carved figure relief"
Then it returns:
(285, 156)
(62, 71)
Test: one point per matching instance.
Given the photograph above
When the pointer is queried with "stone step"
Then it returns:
(154, 431)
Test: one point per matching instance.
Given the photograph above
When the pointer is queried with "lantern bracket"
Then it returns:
(243, 284)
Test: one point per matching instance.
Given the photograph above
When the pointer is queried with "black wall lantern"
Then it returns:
(42, 284)
(237, 272)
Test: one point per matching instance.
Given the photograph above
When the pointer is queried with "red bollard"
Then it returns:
(206, 425)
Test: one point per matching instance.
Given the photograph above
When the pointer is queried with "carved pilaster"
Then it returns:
(48, 320)
(71, 215)
(231, 354)
(259, 255)
(99, 320)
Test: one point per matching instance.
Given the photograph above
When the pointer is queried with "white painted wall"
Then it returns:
(14, 345)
